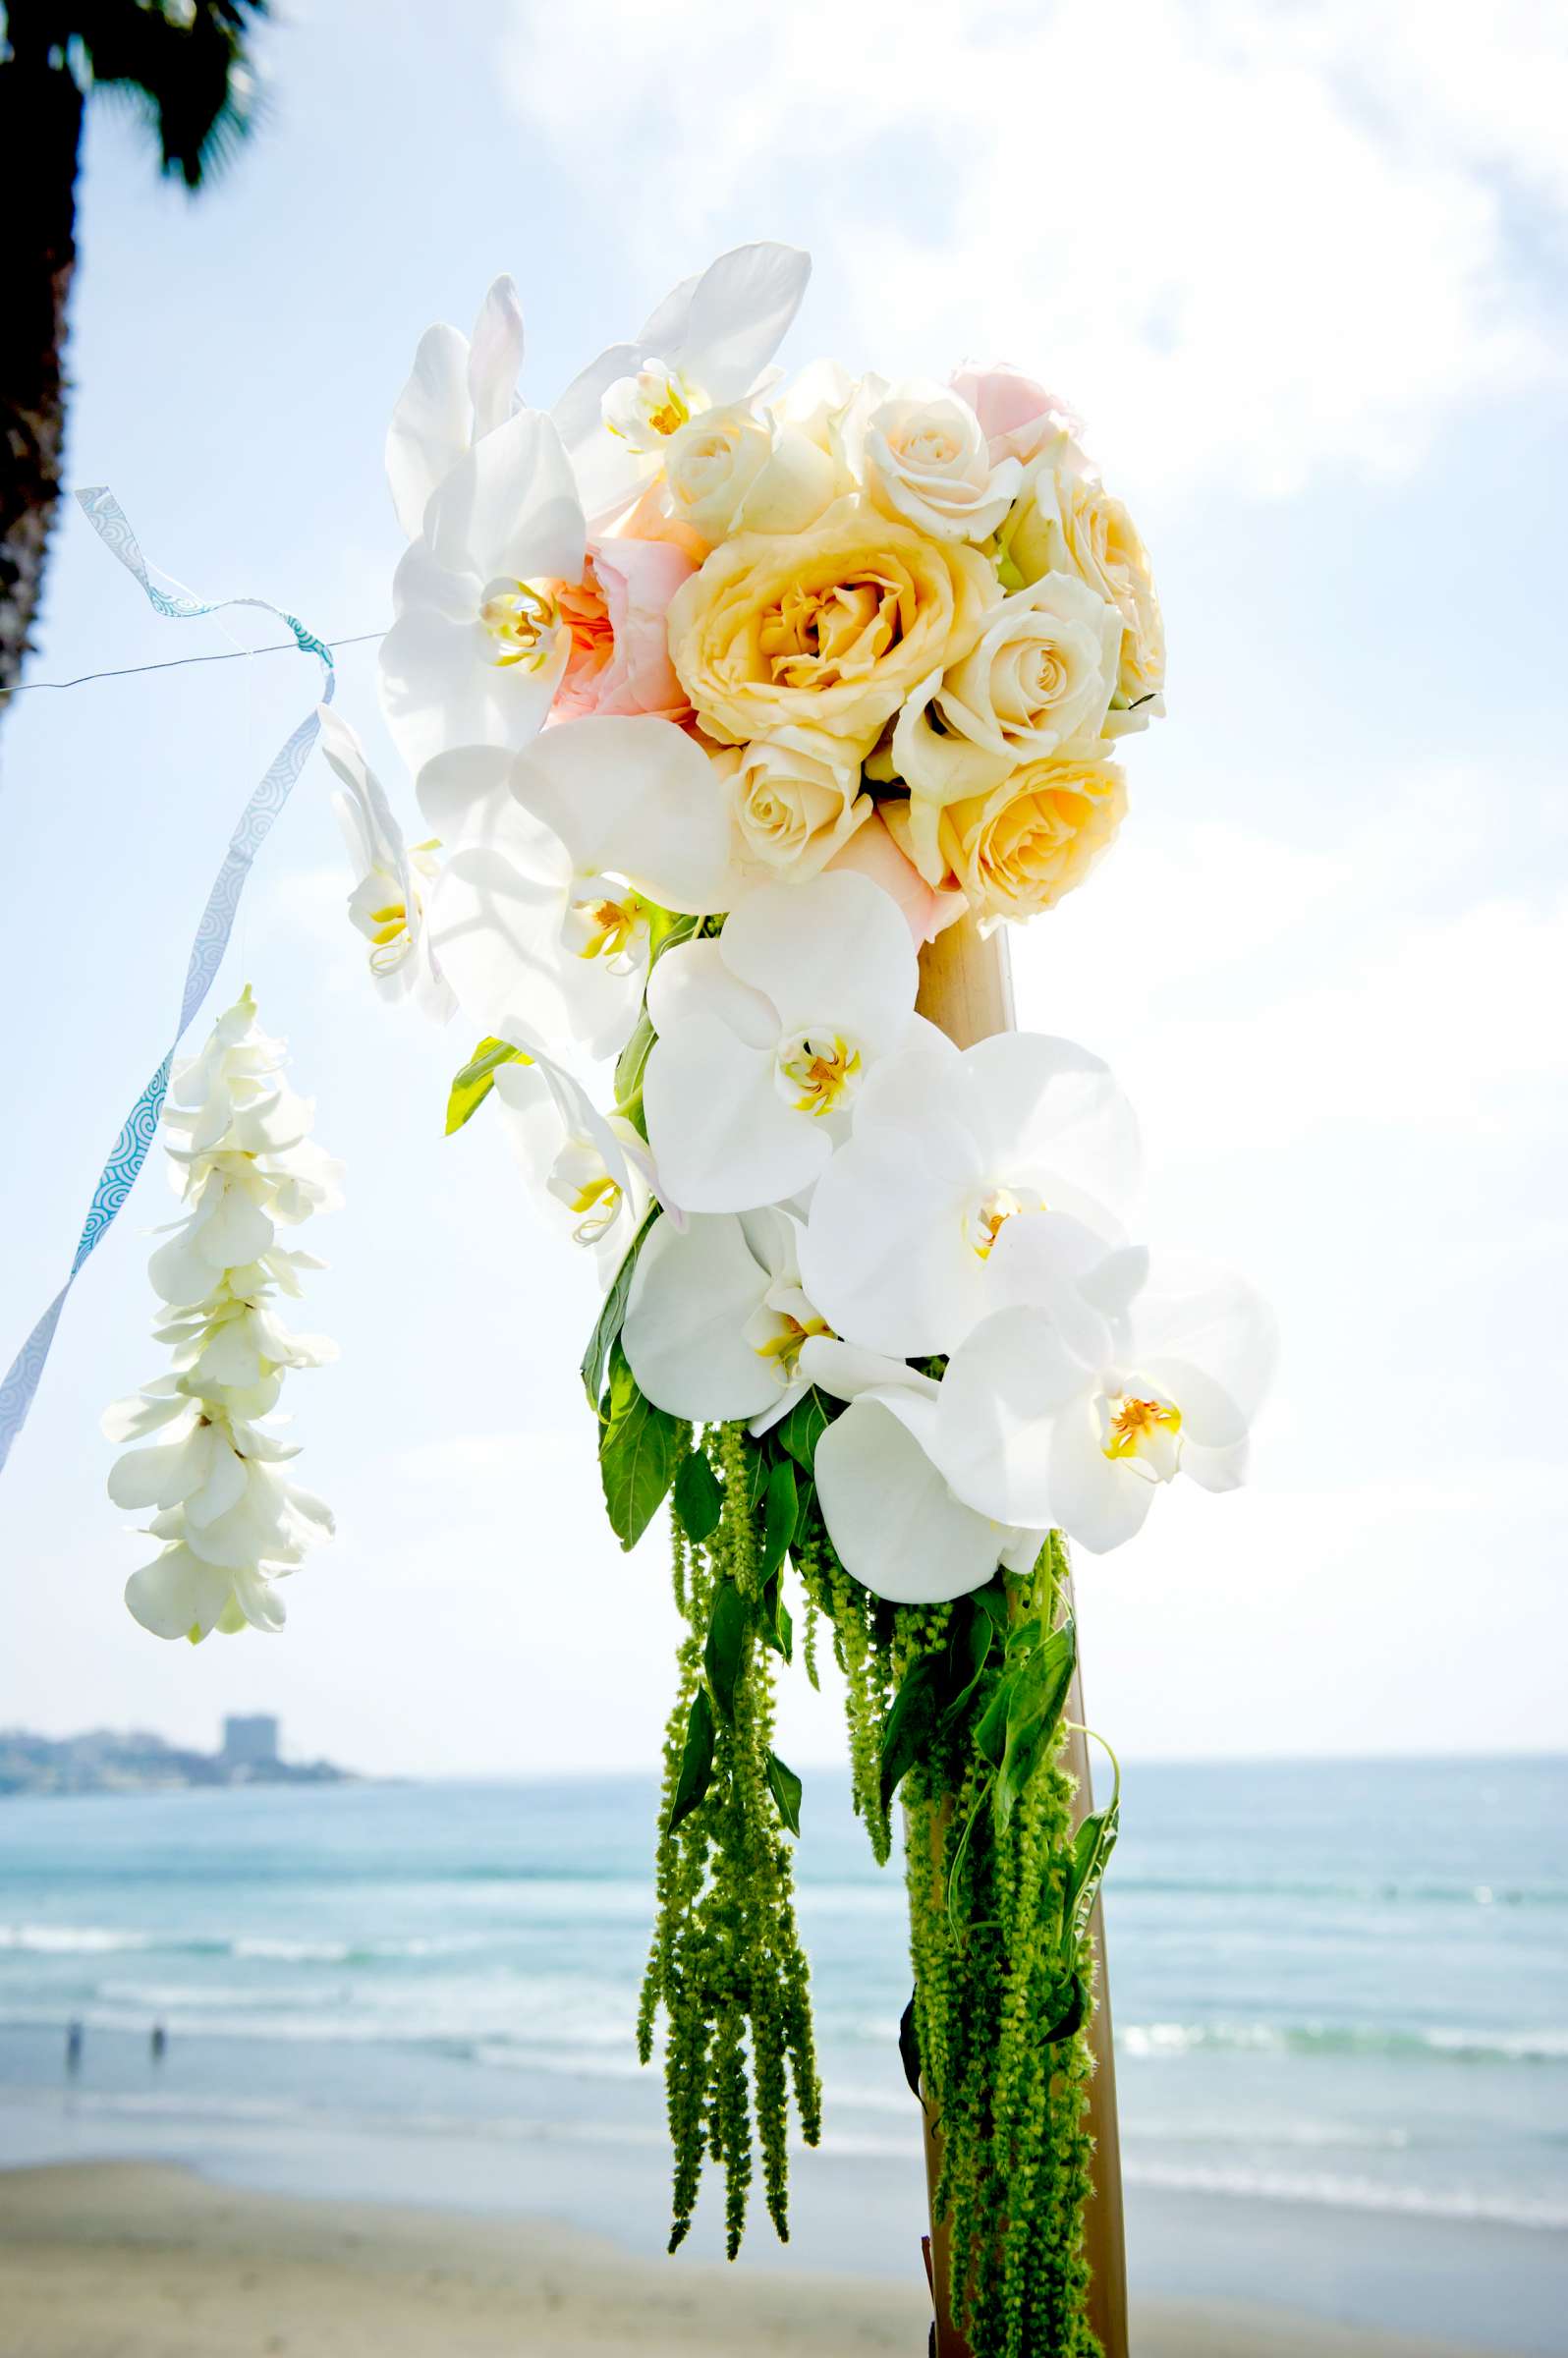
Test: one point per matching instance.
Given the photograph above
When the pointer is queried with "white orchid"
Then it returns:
(457, 393)
(768, 1037)
(703, 346)
(912, 1221)
(228, 1519)
(590, 1172)
(1076, 1407)
(542, 921)
(716, 1320)
(895, 1522)
(479, 642)
(393, 881)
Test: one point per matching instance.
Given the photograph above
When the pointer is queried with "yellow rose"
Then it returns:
(1016, 850)
(1065, 521)
(825, 629)
(796, 800)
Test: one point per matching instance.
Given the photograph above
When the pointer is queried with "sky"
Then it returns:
(1303, 271)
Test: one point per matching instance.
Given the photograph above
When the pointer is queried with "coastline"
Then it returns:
(147, 2259)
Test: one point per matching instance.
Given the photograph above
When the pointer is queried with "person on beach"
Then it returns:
(73, 2047)
(158, 2043)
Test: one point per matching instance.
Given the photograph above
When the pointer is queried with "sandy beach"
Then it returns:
(134, 2260)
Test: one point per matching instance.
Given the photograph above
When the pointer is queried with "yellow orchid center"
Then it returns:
(523, 620)
(609, 924)
(647, 409)
(1144, 1429)
(989, 1213)
(784, 1344)
(818, 1071)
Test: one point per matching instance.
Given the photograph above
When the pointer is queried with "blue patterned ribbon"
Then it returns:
(108, 520)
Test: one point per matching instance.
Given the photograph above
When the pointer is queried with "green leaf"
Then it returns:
(696, 1771)
(698, 1501)
(474, 1084)
(780, 1508)
(758, 1466)
(1093, 1845)
(630, 1067)
(666, 927)
(728, 1627)
(912, 1722)
(969, 1649)
(785, 1787)
(612, 1314)
(1065, 2007)
(1037, 1697)
(638, 1449)
(800, 1432)
(777, 1627)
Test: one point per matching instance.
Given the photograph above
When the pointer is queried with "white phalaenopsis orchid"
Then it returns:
(590, 1172)
(457, 393)
(895, 1524)
(716, 1320)
(542, 920)
(911, 1224)
(393, 881)
(229, 1521)
(768, 1037)
(1118, 1374)
(704, 346)
(479, 642)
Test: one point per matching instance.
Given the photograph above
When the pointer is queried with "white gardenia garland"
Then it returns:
(243, 1160)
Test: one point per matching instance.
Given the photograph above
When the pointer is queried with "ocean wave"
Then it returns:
(1381, 1891)
(1332, 2191)
(1144, 2040)
(69, 1939)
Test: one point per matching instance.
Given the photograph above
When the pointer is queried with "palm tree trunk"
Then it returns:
(40, 119)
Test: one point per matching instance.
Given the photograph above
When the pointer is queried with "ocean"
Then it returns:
(1340, 1995)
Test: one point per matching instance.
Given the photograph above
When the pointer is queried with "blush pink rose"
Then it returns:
(871, 852)
(1018, 416)
(620, 659)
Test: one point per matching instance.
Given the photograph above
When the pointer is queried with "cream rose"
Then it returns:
(826, 629)
(1039, 679)
(1066, 520)
(1016, 850)
(927, 461)
(733, 470)
(796, 800)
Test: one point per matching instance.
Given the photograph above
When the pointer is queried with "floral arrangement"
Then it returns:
(724, 695)
(241, 1158)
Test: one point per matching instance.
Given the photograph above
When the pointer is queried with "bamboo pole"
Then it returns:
(965, 988)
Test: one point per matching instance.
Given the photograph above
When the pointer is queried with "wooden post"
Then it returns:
(967, 991)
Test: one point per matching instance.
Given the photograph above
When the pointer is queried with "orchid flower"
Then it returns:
(768, 1037)
(909, 1245)
(895, 1524)
(705, 345)
(590, 1172)
(716, 1320)
(481, 641)
(458, 393)
(542, 921)
(228, 1519)
(393, 883)
(1074, 1407)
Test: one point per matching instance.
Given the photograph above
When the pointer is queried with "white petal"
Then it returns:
(259, 1600)
(721, 1134)
(894, 1523)
(1191, 1313)
(692, 978)
(1215, 1469)
(429, 428)
(495, 929)
(888, 1259)
(440, 688)
(1048, 1106)
(176, 1595)
(998, 1404)
(466, 793)
(846, 1370)
(833, 952)
(129, 1420)
(740, 310)
(636, 798)
(692, 1296)
(223, 1486)
(495, 357)
(1099, 1502)
(509, 509)
(159, 1476)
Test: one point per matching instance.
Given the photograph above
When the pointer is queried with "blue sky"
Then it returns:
(1303, 272)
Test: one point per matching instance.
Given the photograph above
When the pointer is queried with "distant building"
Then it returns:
(251, 1740)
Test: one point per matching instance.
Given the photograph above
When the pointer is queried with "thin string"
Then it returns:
(240, 654)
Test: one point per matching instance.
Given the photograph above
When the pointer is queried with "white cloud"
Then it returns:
(1247, 242)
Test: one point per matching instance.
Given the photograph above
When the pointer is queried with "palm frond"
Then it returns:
(186, 64)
